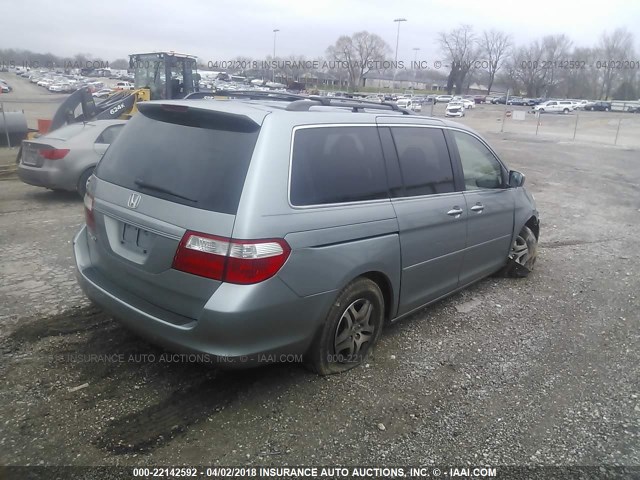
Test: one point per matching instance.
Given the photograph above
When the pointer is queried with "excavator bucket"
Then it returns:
(68, 111)
(82, 101)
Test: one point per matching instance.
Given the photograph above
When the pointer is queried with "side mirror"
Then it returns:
(516, 179)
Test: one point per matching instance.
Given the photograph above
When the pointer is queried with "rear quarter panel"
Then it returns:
(331, 245)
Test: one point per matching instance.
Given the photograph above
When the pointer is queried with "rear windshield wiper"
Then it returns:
(157, 188)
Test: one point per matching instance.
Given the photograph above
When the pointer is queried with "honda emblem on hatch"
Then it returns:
(134, 200)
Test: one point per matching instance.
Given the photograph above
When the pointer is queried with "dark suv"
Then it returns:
(598, 106)
(262, 228)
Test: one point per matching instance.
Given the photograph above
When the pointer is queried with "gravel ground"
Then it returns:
(537, 371)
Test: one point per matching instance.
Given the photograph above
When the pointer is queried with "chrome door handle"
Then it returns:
(455, 212)
(478, 208)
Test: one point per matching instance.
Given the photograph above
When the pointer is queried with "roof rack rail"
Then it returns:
(247, 94)
(356, 105)
(301, 103)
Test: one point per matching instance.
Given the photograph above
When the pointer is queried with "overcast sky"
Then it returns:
(223, 29)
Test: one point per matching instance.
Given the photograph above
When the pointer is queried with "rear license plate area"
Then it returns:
(135, 239)
(30, 157)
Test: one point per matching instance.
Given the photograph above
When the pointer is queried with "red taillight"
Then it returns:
(89, 217)
(228, 260)
(53, 153)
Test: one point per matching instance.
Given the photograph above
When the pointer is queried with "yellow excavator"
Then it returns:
(157, 76)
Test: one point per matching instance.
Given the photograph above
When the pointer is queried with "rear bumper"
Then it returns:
(45, 177)
(240, 326)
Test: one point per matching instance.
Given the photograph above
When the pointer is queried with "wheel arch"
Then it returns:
(88, 168)
(534, 225)
(384, 283)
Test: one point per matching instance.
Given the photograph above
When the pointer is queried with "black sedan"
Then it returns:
(599, 106)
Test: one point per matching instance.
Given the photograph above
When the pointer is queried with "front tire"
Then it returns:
(565, 111)
(353, 326)
(523, 254)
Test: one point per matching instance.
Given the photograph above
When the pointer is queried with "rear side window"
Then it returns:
(109, 134)
(201, 167)
(336, 165)
(424, 160)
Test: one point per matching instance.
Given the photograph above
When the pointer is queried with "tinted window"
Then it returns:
(424, 160)
(200, 167)
(480, 167)
(109, 134)
(334, 165)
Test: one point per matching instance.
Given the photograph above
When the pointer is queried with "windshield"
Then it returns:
(165, 75)
(149, 73)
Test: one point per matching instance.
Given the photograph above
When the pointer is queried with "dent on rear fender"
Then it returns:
(315, 270)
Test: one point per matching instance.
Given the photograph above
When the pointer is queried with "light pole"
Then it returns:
(275, 31)
(415, 68)
(395, 69)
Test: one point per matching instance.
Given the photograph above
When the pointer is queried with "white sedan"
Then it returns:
(454, 109)
(468, 103)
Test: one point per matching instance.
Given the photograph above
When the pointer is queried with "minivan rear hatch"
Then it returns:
(174, 168)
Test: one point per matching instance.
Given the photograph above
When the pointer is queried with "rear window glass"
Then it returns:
(69, 131)
(335, 165)
(201, 167)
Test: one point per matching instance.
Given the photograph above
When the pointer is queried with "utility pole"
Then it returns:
(415, 61)
(395, 65)
(275, 31)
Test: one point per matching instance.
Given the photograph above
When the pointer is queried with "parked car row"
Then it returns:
(545, 105)
(60, 83)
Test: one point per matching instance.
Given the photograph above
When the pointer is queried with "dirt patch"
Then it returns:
(81, 319)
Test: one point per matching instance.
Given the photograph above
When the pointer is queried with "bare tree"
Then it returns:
(613, 48)
(358, 53)
(582, 81)
(526, 68)
(556, 49)
(459, 47)
(495, 46)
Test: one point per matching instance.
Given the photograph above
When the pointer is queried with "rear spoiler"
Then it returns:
(192, 116)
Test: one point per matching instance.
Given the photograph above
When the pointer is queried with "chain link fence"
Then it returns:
(616, 127)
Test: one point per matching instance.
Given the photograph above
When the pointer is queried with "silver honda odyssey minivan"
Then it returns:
(263, 227)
